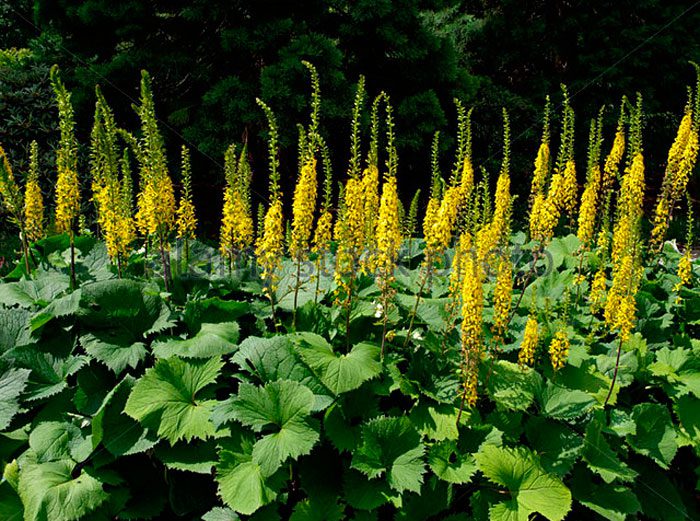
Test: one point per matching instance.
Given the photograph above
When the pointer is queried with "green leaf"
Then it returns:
(211, 340)
(687, 409)
(13, 328)
(343, 373)
(49, 493)
(213, 311)
(65, 306)
(513, 387)
(12, 383)
(276, 358)
(165, 398)
(326, 509)
(558, 445)
(533, 489)
(35, 292)
(436, 421)
(561, 403)
(601, 458)
(48, 372)
(120, 434)
(391, 447)
(283, 406)
(197, 457)
(114, 349)
(450, 464)
(10, 503)
(52, 441)
(680, 368)
(220, 514)
(430, 311)
(363, 493)
(655, 436)
(242, 483)
(614, 502)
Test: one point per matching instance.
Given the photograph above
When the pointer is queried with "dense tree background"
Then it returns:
(211, 58)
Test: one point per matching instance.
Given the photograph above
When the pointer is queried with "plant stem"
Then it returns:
(73, 283)
(424, 281)
(297, 285)
(164, 261)
(614, 379)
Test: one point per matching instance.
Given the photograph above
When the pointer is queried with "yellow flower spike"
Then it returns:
(528, 347)
(559, 350)
(270, 246)
(629, 208)
(388, 232)
(539, 177)
(685, 271)
(33, 199)
(323, 232)
(502, 297)
(472, 324)
(599, 288)
(303, 208)
(620, 306)
(589, 208)
(186, 218)
(569, 188)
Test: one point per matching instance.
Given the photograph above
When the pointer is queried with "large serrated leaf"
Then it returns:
(50, 493)
(211, 340)
(533, 489)
(165, 398)
(342, 373)
(284, 407)
(391, 447)
(12, 383)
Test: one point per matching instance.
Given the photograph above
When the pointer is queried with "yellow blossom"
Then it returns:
(589, 208)
(596, 297)
(270, 246)
(528, 347)
(559, 350)
(33, 199)
(303, 208)
(388, 231)
(685, 271)
(323, 232)
(539, 177)
(472, 320)
(502, 296)
(543, 218)
(620, 307)
(629, 209)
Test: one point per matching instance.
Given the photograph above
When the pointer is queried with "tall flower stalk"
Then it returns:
(33, 198)
(13, 203)
(270, 245)
(186, 217)
(156, 199)
(305, 192)
(67, 183)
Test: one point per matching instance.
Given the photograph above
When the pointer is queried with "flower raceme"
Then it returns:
(559, 349)
(388, 231)
(589, 208)
(270, 246)
(33, 199)
(685, 271)
(472, 320)
(539, 177)
(629, 209)
(502, 296)
(528, 347)
(303, 208)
